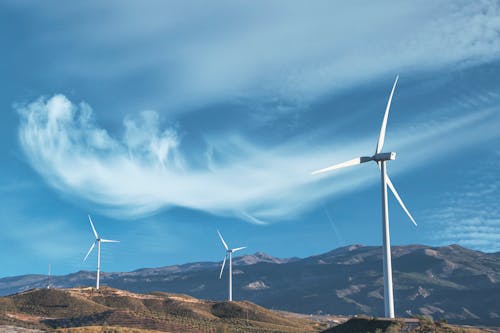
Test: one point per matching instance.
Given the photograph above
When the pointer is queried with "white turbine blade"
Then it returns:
(239, 248)
(393, 189)
(222, 240)
(354, 161)
(398, 198)
(88, 253)
(109, 241)
(93, 229)
(222, 269)
(381, 137)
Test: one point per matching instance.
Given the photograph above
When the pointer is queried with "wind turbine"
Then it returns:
(229, 253)
(380, 158)
(48, 278)
(97, 241)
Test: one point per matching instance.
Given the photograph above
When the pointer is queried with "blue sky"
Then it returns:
(167, 121)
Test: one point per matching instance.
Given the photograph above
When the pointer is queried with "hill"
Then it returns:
(79, 310)
(422, 325)
(50, 309)
(449, 282)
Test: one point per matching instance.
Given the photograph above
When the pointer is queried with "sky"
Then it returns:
(166, 121)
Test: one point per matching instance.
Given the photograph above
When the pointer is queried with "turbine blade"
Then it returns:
(93, 229)
(91, 248)
(109, 241)
(398, 198)
(239, 248)
(222, 240)
(222, 269)
(354, 161)
(381, 137)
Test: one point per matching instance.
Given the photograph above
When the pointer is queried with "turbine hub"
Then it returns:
(384, 157)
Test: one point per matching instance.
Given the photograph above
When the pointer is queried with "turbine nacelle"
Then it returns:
(235, 250)
(378, 157)
(383, 157)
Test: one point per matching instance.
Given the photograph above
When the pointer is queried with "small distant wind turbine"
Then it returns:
(229, 253)
(48, 278)
(97, 241)
(381, 158)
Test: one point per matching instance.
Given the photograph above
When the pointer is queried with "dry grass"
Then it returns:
(363, 324)
(112, 310)
(427, 325)
(103, 329)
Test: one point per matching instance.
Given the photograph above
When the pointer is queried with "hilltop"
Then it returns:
(449, 282)
(49, 309)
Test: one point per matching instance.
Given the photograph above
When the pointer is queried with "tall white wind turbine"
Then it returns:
(380, 158)
(229, 253)
(97, 241)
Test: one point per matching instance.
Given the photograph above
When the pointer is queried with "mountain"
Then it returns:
(449, 282)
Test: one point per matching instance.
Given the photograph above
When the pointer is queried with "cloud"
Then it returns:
(468, 225)
(145, 170)
(149, 168)
(293, 53)
(469, 214)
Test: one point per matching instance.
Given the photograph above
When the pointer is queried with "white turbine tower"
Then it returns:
(97, 241)
(229, 253)
(380, 158)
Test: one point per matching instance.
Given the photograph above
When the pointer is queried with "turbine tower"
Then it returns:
(380, 158)
(48, 278)
(229, 253)
(97, 241)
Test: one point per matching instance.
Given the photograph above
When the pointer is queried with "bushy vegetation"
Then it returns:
(422, 325)
(427, 325)
(103, 329)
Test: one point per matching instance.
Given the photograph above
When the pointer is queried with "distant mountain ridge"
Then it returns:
(248, 259)
(449, 282)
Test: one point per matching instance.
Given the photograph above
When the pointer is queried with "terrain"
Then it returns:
(51, 309)
(79, 310)
(450, 282)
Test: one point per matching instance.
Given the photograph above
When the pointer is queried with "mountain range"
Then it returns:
(448, 282)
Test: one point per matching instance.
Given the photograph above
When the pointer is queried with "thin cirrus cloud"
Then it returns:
(147, 169)
(210, 53)
(295, 52)
(475, 223)
(469, 214)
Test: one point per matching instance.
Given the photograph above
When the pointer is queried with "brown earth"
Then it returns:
(66, 310)
(79, 310)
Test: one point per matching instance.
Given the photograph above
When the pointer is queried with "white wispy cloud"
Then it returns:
(293, 53)
(147, 169)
